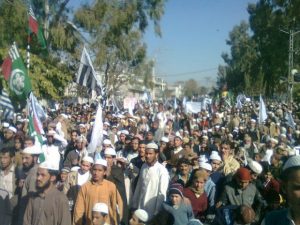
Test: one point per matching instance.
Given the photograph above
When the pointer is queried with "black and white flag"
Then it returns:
(86, 75)
(6, 105)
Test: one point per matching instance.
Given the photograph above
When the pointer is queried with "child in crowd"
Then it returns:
(177, 210)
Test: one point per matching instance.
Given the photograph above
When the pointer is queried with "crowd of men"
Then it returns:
(157, 165)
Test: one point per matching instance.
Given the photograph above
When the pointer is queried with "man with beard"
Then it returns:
(75, 156)
(152, 185)
(30, 157)
(72, 143)
(48, 206)
(54, 147)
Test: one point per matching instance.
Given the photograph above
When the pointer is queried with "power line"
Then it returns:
(187, 73)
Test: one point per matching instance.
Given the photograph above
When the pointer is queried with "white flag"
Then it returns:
(175, 103)
(262, 111)
(97, 133)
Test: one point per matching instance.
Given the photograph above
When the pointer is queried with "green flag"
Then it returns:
(18, 80)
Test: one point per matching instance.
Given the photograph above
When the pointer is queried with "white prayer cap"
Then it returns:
(293, 161)
(126, 132)
(274, 140)
(106, 123)
(32, 150)
(142, 215)
(230, 135)
(292, 151)
(152, 145)
(101, 162)
(202, 158)
(88, 159)
(164, 139)
(100, 207)
(177, 134)
(283, 130)
(297, 131)
(215, 156)
(5, 124)
(209, 130)
(107, 142)
(50, 165)
(204, 131)
(120, 116)
(131, 120)
(217, 126)
(253, 120)
(51, 133)
(283, 135)
(13, 129)
(255, 166)
(110, 151)
(75, 168)
(81, 125)
(205, 165)
(80, 138)
(205, 137)
(64, 116)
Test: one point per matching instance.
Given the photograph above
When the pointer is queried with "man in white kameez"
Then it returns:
(151, 189)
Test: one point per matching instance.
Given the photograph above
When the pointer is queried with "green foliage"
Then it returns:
(116, 30)
(259, 50)
(190, 88)
(49, 76)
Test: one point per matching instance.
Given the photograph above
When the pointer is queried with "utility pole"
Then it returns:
(290, 80)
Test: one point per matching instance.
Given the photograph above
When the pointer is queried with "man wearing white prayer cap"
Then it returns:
(100, 214)
(210, 186)
(255, 169)
(152, 185)
(98, 190)
(139, 217)
(76, 179)
(30, 157)
(215, 161)
(8, 137)
(48, 203)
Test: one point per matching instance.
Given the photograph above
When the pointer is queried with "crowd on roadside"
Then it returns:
(157, 165)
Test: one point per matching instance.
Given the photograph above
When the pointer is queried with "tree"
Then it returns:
(190, 88)
(240, 72)
(116, 29)
(259, 51)
(50, 69)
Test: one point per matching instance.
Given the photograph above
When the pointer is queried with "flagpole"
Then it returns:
(28, 45)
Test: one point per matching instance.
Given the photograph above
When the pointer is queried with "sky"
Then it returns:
(194, 34)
